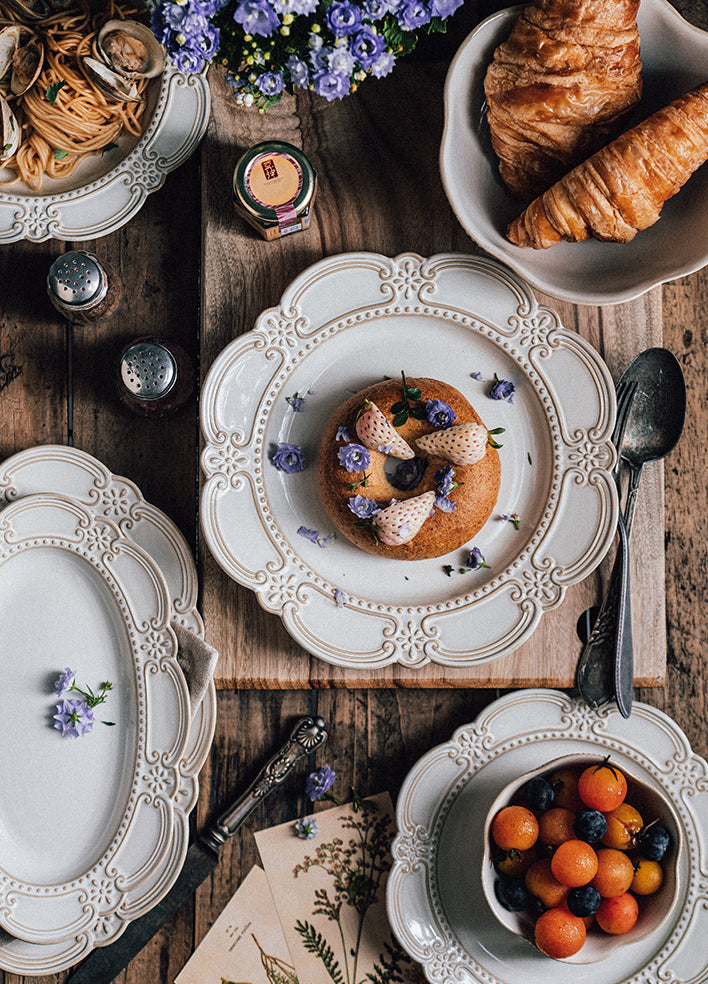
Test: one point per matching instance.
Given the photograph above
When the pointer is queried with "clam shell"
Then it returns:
(9, 131)
(31, 10)
(22, 79)
(154, 62)
(9, 41)
(115, 86)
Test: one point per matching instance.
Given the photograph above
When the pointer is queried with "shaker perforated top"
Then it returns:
(77, 279)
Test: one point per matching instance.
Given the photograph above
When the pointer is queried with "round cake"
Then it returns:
(407, 470)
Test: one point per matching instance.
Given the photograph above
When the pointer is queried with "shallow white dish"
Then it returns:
(107, 190)
(72, 472)
(344, 323)
(435, 902)
(84, 822)
(674, 57)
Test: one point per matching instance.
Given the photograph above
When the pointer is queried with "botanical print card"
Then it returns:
(330, 894)
(246, 943)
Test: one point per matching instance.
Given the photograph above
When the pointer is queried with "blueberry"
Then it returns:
(654, 843)
(590, 825)
(583, 901)
(539, 794)
(511, 893)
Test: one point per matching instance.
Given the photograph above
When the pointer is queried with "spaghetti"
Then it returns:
(64, 116)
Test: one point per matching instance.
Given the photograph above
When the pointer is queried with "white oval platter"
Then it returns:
(87, 820)
(107, 190)
(74, 473)
(344, 323)
(435, 902)
(674, 56)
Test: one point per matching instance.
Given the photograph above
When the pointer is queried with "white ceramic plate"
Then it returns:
(107, 190)
(434, 896)
(84, 822)
(674, 57)
(347, 322)
(56, 468)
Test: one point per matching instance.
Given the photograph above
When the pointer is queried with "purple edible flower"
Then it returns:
(316, 537)
(320, 782)
(444, 480)
(339, 597)
(256, 17)
(439, 413)
(330, 85)
(444, 504)
(408, 474)
(306, 828)
(288, 458)
(74, 718)
(343, 18)
(343, 433)
(367, 45)
(502, 389)
(476, 375)
(413, 14)
(354, 457)
(514, 519)
(475, 560)
(64, 682)
(362, 507)
(383, 65)
(271, 84)
(296, 402)
(300, 74)
(444, 8)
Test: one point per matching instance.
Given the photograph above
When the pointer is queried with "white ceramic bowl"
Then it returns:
(675, 59)
(652, 802)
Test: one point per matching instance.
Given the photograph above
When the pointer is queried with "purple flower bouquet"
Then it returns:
(272, 46)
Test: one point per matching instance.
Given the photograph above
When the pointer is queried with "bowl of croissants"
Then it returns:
(576, 142)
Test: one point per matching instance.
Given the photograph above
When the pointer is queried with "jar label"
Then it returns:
(274, 180)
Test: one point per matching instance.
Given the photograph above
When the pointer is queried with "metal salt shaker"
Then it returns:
(155, 376)
(83, 288)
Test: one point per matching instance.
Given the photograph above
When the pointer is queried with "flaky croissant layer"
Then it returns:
(560, 86)
(622, 188)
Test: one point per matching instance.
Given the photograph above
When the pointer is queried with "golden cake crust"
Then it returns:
(474, 498)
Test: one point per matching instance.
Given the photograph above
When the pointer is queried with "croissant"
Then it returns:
(560, 87)
(622, 187)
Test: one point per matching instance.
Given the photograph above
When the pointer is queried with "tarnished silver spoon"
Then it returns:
(654, 424)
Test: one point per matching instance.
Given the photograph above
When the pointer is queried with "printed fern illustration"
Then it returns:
(357, 867)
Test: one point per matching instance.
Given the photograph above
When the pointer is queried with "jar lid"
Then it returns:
(77, 279)
(148, 370)
(274, 182)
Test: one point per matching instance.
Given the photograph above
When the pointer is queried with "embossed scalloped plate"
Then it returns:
(85, 822)
(674, 56)
(344, 323)
(435, 902)
(72, 472)
(107, 190)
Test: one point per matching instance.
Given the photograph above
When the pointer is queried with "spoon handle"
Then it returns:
(635, 472)
(595, 672)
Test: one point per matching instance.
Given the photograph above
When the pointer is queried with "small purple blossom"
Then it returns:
(439, 413)
(514, 519)
(444, 480)
(475, 560)
(271, 84)
(367, 45)
(414, 14)
(383, 65)
(444, 8)
(306, 828)
(330, 85)
(343, 18)
(74, 718)
(64, 682)
(256, 17)
(354, 457)
(299, 72)
(476, 375)
(408, 474)
(295, 401)
(343, 434)
(320, 782)
(362, 507)
(288, 458)
(444, 504)
(502, 389)
(314, 536)
(339, 597)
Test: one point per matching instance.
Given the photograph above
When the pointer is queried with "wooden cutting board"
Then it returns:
(380, 190)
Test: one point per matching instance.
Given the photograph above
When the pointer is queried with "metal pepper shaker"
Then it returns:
(83, 288)
(155, 376)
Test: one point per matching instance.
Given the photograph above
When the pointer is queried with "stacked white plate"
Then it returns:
(94, 830)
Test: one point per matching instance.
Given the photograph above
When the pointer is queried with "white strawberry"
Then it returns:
(377, 433)
(462, 444)
(399, 522)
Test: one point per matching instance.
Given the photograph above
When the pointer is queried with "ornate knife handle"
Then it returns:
(307, 736)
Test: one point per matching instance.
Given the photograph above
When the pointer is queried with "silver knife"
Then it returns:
(105, 963)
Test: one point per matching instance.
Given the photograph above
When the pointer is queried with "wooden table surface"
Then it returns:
(193, 272)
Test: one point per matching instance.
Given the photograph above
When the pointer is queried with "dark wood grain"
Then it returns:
(56, 385)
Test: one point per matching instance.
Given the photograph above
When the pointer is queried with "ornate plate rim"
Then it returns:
(541, 724)
(153, 651)
(313, 311)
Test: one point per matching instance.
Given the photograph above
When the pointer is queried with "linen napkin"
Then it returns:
(197, 660)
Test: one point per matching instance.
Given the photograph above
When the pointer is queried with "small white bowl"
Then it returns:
(675, 60)
(654, 909)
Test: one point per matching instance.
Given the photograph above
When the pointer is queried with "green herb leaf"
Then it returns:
(59, 155)
(397, 407)
(53, 90)
(419, 413)
(400, 418)
(413, 393)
